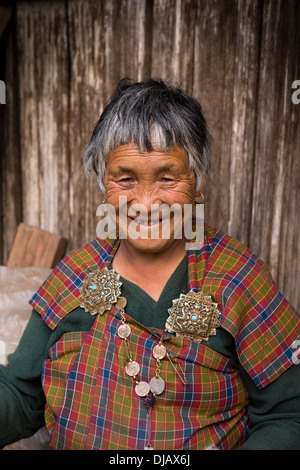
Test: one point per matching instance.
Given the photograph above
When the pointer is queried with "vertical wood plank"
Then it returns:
(11, 178)
(243, 126)
(162, 39)
(173, 41)
(86, 88)
(275, 218)
(43, 90)
(214, 71)
(127, 41)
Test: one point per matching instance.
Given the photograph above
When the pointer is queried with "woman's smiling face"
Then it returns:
(148, 179)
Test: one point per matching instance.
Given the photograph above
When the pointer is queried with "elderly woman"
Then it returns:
(136, 342)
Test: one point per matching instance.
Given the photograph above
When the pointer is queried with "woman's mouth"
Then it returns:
(145, 223)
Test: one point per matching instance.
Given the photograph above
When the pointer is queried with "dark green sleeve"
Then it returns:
(274, 413)
(22, 399)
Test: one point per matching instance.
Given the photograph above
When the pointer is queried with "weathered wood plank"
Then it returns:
(11, 178)
(243, 126)
(164, 15)
(35, 247)
(43, 94)
(275, 220)
(214, 69)
(173, 41)
(86, 98)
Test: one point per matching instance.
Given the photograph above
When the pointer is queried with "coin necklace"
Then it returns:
(132, 368)
(146, 391)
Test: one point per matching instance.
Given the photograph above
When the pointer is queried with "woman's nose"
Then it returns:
(147, 197)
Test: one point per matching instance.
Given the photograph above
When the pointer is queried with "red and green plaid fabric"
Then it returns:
(91, 403)
(96, 407)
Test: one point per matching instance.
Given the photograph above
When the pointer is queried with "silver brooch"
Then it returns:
(99, 291)
(194, 316)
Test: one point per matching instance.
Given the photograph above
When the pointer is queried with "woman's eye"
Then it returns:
(166, 180)
(126, 180)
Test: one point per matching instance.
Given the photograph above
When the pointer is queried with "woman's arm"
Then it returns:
(274, 412)
(22, 399)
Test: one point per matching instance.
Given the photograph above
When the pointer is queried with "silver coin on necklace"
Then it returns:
(132, 368)
(157, 385)
(159, 351)
(124, 331)
(142, 389)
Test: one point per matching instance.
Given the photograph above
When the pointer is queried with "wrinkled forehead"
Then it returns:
(131, 155)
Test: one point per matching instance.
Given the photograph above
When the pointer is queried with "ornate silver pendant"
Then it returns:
(99, 291)
(194, 316)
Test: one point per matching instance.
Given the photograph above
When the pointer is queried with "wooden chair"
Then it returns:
(35, 247)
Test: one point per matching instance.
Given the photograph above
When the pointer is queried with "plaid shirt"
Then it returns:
(91, 403)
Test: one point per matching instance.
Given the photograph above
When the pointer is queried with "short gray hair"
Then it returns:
(146, 112)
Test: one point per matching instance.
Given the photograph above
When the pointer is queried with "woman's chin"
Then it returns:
(150, 238)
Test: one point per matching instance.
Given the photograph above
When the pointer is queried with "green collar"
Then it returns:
(144, 309)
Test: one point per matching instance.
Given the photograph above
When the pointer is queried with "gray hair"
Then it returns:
(146, 112)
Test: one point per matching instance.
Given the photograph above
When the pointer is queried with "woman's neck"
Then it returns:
(150, 271)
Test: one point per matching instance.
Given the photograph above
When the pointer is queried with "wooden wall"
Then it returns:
(63, 59)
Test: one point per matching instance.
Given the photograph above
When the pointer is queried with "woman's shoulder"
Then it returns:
(228, 258)
(220, 244)
(59, 294)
